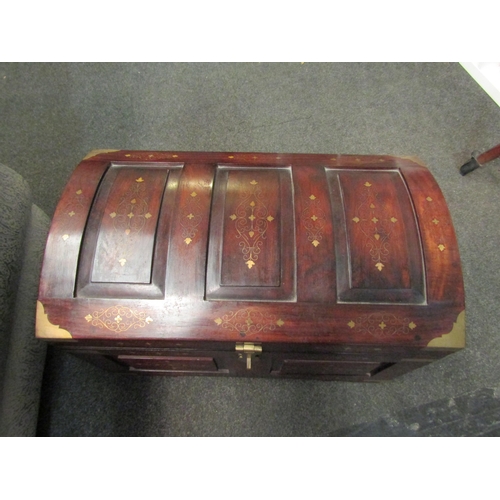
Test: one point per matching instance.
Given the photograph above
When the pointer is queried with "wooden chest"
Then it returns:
(240, 264)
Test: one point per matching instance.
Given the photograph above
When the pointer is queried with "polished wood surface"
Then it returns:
(329, 257)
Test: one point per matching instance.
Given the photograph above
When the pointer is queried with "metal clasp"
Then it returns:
(250, 349)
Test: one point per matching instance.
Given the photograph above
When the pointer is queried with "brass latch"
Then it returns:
(250, 349)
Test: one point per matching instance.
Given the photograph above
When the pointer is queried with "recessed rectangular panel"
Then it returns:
(170, 363)
(378, 248)
(125, 244)
(251, 242)
(325, 367)
(251, 238)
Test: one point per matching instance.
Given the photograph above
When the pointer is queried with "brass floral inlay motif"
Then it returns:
(249, 321)
(191, 217)
(369, 214)
(382, 325)
(131, 213)
(313, 218)
(118, 319)
(252, 220)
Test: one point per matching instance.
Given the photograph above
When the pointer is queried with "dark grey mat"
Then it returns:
(475, 414)
(52, 115)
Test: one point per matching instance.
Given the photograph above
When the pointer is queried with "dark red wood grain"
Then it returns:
(185, 254)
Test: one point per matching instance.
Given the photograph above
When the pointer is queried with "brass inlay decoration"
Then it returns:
(74, 207)
(131, 213)
(435, 221)
(65, 237)
(118, 319)
(122, 262)
(191, 217)
(45, 329)
(367, 215)
(313, 218)
(429, 198)
(382, 325)
(453, 339)
(249, 321)
(251, 220)
(441, 247)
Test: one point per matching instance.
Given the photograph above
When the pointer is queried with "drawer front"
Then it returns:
(319, 367)
(170, 363)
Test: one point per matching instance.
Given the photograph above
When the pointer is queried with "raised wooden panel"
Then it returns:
(126, 238)
(251, 242)
(378, 249)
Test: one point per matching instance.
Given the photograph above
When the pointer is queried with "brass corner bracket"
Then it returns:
(455, 339)
(45, 329)
(96, 152)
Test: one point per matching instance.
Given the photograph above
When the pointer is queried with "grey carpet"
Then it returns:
(53, 114)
